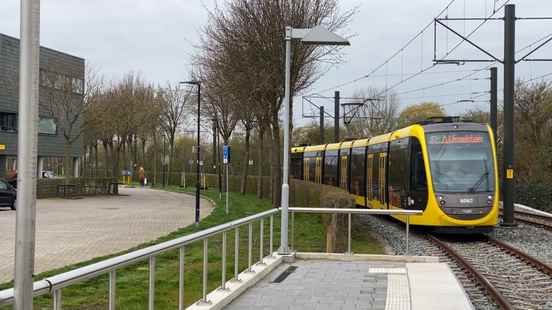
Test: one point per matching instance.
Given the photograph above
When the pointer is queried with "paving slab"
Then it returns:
(75, 230)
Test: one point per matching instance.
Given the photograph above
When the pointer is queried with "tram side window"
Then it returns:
(330, 167)
(358, 171)
(398, 172)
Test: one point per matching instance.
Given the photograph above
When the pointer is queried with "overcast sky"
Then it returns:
(156, 39)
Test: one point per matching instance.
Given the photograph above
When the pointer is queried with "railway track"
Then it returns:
(534, 219)
(509, 278)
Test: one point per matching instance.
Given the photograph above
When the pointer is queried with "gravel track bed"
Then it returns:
(523, 286)
(393, 235)
(531, 239)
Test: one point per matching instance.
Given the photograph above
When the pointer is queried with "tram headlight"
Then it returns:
(442, 201)
(489, 200)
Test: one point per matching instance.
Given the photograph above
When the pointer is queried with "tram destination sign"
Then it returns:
(456, 139)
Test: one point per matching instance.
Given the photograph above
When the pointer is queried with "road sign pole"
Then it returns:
(227, 185)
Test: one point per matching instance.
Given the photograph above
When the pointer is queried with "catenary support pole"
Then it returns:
(336, 116)
(493, 108)
(27, 154)
(285, 186)
(322, 125)
(509, 91)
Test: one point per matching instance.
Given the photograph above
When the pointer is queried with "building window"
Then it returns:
(47, 126)
(8, 122)
(52, 167)
(78, 86)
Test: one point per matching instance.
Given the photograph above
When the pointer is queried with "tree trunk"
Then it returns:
(276, 165)
(245, 167)
(67, 160)
(95, 172)
(260, 150)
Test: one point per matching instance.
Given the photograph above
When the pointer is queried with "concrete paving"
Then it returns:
(323, 284)
(71, 231)
(319, 285)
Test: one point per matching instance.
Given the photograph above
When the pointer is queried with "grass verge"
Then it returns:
(132, 281)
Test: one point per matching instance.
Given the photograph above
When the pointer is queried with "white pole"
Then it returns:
(285, 186)
(27, 154)
(227, 184)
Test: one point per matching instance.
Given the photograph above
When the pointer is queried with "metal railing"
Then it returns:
(349, 212)
(54, 285)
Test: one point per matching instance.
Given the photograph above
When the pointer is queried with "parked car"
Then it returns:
(8, 195)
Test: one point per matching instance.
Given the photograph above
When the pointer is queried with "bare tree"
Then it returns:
(173, 101)
(247, 36)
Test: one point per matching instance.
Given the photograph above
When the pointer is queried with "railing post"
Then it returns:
(57, 299)
(349, 252)
(271, 237)
(151, 291)
(112, 290)
(292, 231)
(237, 254)
(223, 276)
(261, 243)
(181, 256)
(407, 231)
(205, 270)
(250, 248)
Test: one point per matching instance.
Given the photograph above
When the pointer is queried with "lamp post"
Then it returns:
(312, 36)
(26, 154)
(198, 180)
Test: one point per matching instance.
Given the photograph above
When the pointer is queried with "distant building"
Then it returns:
(57, 71)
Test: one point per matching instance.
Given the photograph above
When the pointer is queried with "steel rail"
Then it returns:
(534, 262)
(534, 219)
(55, 283)
(484, 282)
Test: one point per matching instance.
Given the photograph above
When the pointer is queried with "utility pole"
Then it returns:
(26, 154)
(336, 116)
(493, 108)
(322, 125)
(509, 84)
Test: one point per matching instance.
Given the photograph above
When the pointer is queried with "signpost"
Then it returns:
(226, 161)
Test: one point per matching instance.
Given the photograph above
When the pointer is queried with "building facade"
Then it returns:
(61, 90)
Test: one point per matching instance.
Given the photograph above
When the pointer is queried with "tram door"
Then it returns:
(343, 175)
(382, 178)
(306, 175)
(418, 179)
(318, 171)
(369, 179)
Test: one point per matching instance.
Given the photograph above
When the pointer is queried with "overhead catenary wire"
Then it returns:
(395, 54)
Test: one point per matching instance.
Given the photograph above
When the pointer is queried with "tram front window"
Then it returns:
(461, 162)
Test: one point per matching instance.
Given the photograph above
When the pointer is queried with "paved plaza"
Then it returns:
(74, 230)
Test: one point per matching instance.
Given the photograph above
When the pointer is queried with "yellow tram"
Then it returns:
(444, 167)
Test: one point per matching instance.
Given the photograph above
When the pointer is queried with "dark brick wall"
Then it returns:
(51, 61)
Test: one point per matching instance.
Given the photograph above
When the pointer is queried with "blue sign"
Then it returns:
(226, 154)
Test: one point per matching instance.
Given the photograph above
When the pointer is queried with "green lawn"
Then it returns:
(132, 282)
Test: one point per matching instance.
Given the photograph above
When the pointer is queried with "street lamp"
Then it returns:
(198, 84)
(311, 36)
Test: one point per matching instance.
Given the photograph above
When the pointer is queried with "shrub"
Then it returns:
(336, 224)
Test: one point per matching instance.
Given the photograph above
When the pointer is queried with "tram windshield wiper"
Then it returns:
(479, 182)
